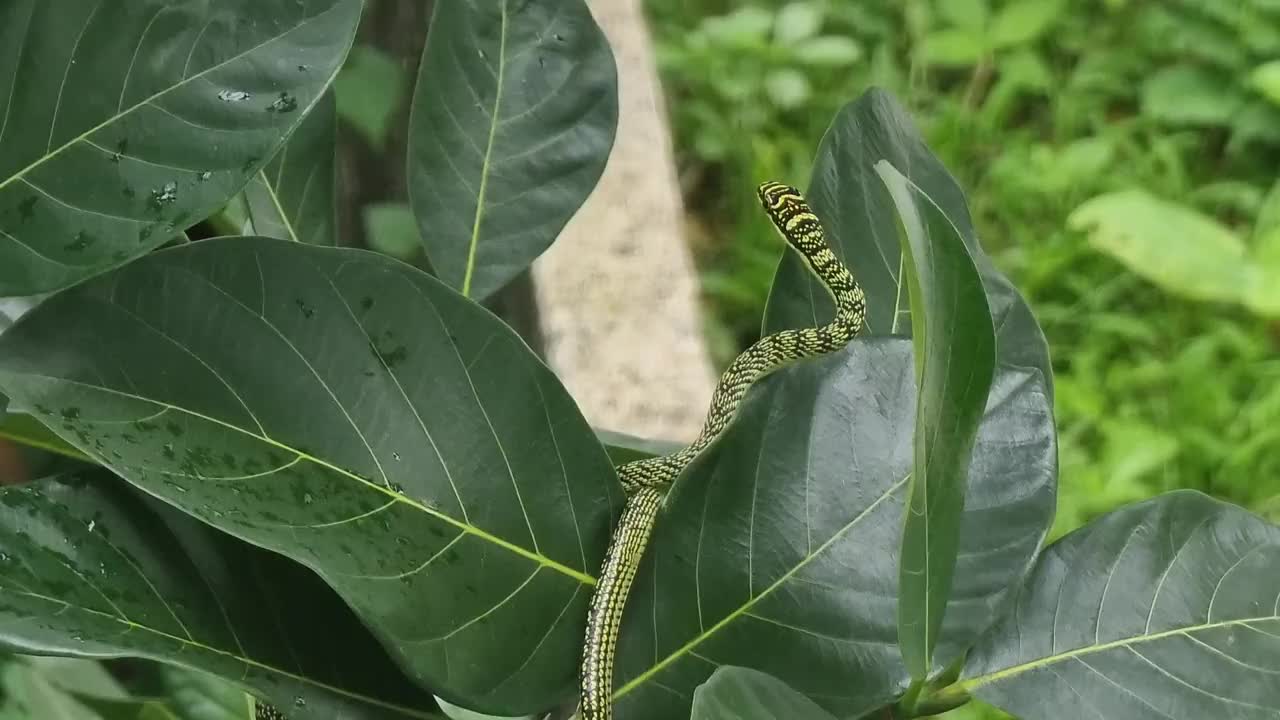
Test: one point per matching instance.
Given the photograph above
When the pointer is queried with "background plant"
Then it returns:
(262, 434)
(1044, 110)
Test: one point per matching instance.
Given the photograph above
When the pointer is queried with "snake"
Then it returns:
(647, 481)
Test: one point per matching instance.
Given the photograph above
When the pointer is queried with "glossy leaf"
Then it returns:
(513, 118)
(124, 121)
(92, 568)
(1164, 610)
(357, 415)
(955, 352)
(779, 549)
(862, 227)
(295, 196)
(737, 693)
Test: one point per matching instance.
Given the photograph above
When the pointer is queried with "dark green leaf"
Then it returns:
(513, 118)
(862, 227)
(779, 549)
(92, 568)
(295, 196)
(359, 416)
(737, 693)
(955, 352)
(124, 121)
(1164, 610)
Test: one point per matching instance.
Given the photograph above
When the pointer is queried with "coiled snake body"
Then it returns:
(646, 481)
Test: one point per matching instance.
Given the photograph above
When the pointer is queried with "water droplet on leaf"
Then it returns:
(283, 104)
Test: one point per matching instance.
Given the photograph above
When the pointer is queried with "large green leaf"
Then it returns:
(955, 354)
(90, 567)
(1164, 610)
(779, 550)
(859, 217)
(738, 693)
(124, 121)
(295, 196)
(359, 416)
(513, 118)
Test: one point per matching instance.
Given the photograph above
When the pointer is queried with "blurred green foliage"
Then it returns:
(1120, 157)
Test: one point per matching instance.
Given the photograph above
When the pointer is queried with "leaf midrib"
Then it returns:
(982, 680)
(488, 153)
(50, 154)
(190, 642)
(466, 527)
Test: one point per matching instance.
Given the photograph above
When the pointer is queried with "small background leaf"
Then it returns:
(953, 47)
(1192, 95)
(391, 229)
(370, 89)
(1168, 243)
(1022, 21)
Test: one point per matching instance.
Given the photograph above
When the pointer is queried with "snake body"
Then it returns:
(646, 481)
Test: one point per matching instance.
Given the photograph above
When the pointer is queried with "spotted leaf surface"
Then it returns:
(90, 567)
(122, 122)
(358, 416)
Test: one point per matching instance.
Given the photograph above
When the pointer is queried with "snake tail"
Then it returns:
(646, 481)
(621, 563)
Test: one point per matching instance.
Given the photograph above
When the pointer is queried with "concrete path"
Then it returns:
(617, 294)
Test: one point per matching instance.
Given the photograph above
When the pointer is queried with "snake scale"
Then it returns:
(646, 481)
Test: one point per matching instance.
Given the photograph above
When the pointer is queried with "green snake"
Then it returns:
(646, 481)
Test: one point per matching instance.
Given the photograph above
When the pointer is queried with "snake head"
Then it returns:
(775, 195)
